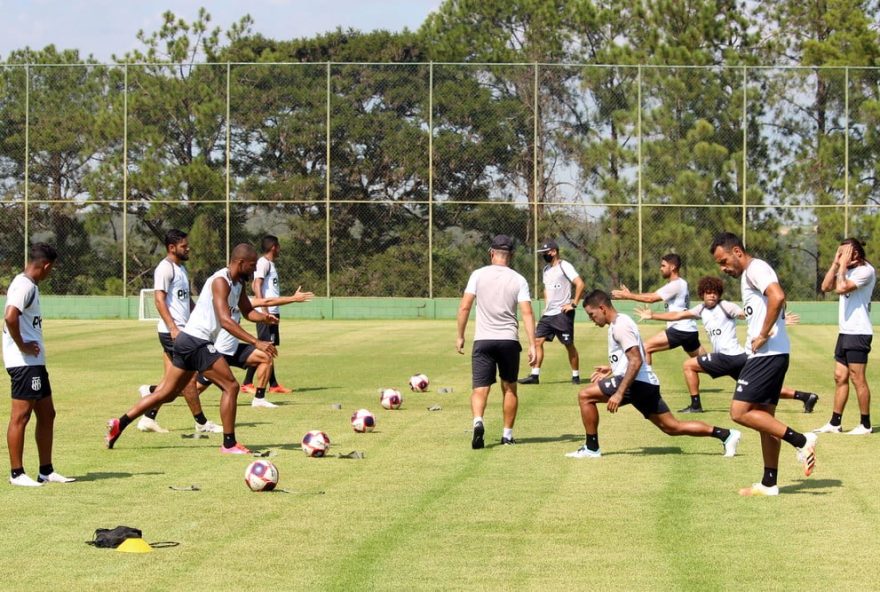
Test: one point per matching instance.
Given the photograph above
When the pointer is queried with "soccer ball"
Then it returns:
(261, 475)
(363, 421)
(391, 399)
(316, 443)
(418, 383)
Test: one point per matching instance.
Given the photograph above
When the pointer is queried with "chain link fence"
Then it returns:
(390, 179)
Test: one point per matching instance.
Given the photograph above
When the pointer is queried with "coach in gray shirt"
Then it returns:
(498, 290)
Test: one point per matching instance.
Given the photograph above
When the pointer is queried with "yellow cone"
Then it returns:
(134, 546)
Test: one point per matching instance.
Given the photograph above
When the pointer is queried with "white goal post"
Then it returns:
(147, 306)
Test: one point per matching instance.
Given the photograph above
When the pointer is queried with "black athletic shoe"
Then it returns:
(575, 380)
(507, 441)
(690, 409)
(530, 379)
(810, 403)
(477, 441)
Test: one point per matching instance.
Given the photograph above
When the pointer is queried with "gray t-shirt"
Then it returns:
(499, 290)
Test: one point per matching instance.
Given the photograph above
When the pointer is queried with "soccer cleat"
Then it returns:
(810, 403)
(575, 380)
(144, 390)
(145, 424)
(24, 481)
(828, 429)
(690, 409)
(507, 441)
(530, 379)
(477, 440)
(758, 489)
(255, 402)
(807, 455)
(731, 442)
(237, 449)
(248, 388)
(859, 430)
(280, 389)
(584, 452)
(209, 427)
(113, 432)
(54, 477)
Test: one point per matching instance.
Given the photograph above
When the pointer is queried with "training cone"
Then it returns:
(134, 546)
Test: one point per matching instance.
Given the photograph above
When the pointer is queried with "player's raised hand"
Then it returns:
(300, 296)
(621, 293)
(846, 252)
(267, 347)
(645, 313)
(270, 320)
(792, 318)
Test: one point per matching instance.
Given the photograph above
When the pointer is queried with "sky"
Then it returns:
(103, 28)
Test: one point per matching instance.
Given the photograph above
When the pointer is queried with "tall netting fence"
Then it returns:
(390, 179)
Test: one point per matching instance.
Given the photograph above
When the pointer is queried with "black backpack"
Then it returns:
(107, 538)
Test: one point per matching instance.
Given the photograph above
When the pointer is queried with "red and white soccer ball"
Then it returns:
(316, 443)
(391, 399)
(363, 421)
(261, 475)
(418, 383)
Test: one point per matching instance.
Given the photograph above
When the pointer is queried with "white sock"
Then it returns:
(508, 433)
(575, 373)
(477, 420)
(536, 371)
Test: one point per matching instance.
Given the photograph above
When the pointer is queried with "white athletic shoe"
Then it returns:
(255, 402)
(144, 390)
(54, 477)
(731, 442)
(584, 452)
(757, 489)
(828, 429)
(145, 424)
(807, 455)
(209, 427)
(859, 430)
(24, 481)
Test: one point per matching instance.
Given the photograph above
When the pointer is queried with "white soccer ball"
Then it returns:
(261, 475)
(316, 443)
(418, 383)
(363, 421)
(391, 399)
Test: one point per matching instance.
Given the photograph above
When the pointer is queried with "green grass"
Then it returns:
(424, 511)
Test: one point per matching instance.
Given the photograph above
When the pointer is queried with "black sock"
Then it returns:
(261, 393)
(47, 469)
(17, 472)
(695, 401)
(272, 380)
(123, 422)
(200, 418)
(801, 395)
(794, 438)
(866, 421)
(720, 433)
(152, 413)
(229, 440)
(593, 442)
(153, 388)
(249, 375)
(836, 418)
(769, 479)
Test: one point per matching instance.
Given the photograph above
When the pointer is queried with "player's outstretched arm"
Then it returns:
(624, 293)
(646, 314)
(298, 296)
(792, 318)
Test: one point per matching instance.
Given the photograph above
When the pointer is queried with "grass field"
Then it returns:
(423, 510)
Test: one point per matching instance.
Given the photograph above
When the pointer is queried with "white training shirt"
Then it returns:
(24, 295)
(271, 289)
(203, 322)
(676, 298)
(755, 280)
(499, 290)
(172, 279)
(854, 309)
(623, 334)
(720, 325)
(557, 285)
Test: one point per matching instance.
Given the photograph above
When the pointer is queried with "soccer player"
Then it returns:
(728, 357)
(194, 349)
(767, 345)
(558, 317)
(266, 285)
(174, 304)
(676, 298)
(853, 278)
(25, 359)
(498, 291)
(630, 379)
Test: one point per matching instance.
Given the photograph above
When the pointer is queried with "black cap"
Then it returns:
(548, 245)
(502, 242)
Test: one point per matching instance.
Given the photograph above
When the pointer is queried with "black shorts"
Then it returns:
(491, 354)
(761, 380)
(561, 325)
(688, 340)
(717, 365)
(167, 344)
(30, 383)
(239, 358)
(194, 354)
(269, 332)
(643, 396)
(852, 349)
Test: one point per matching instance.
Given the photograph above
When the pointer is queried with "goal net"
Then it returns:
(147, 306)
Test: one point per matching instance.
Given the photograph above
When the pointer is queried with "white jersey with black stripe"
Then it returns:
(623, 334)
(720, 324)
(203, 322)
(172, 279)
(24, 295)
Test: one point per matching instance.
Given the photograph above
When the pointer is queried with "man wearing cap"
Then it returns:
(498, 290)
(558, 317)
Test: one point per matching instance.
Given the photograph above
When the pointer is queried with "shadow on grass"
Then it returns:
(811, 486)
(309, 389)
(540, 440)
(656, 451)
(102, 476)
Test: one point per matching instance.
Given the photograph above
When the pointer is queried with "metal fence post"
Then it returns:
(431, 180)
(125, 181)
(846, 153)
(27, 155)
(228, 159)
(535, 116)
(639, 146)
(327, 191)
(745, 164)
